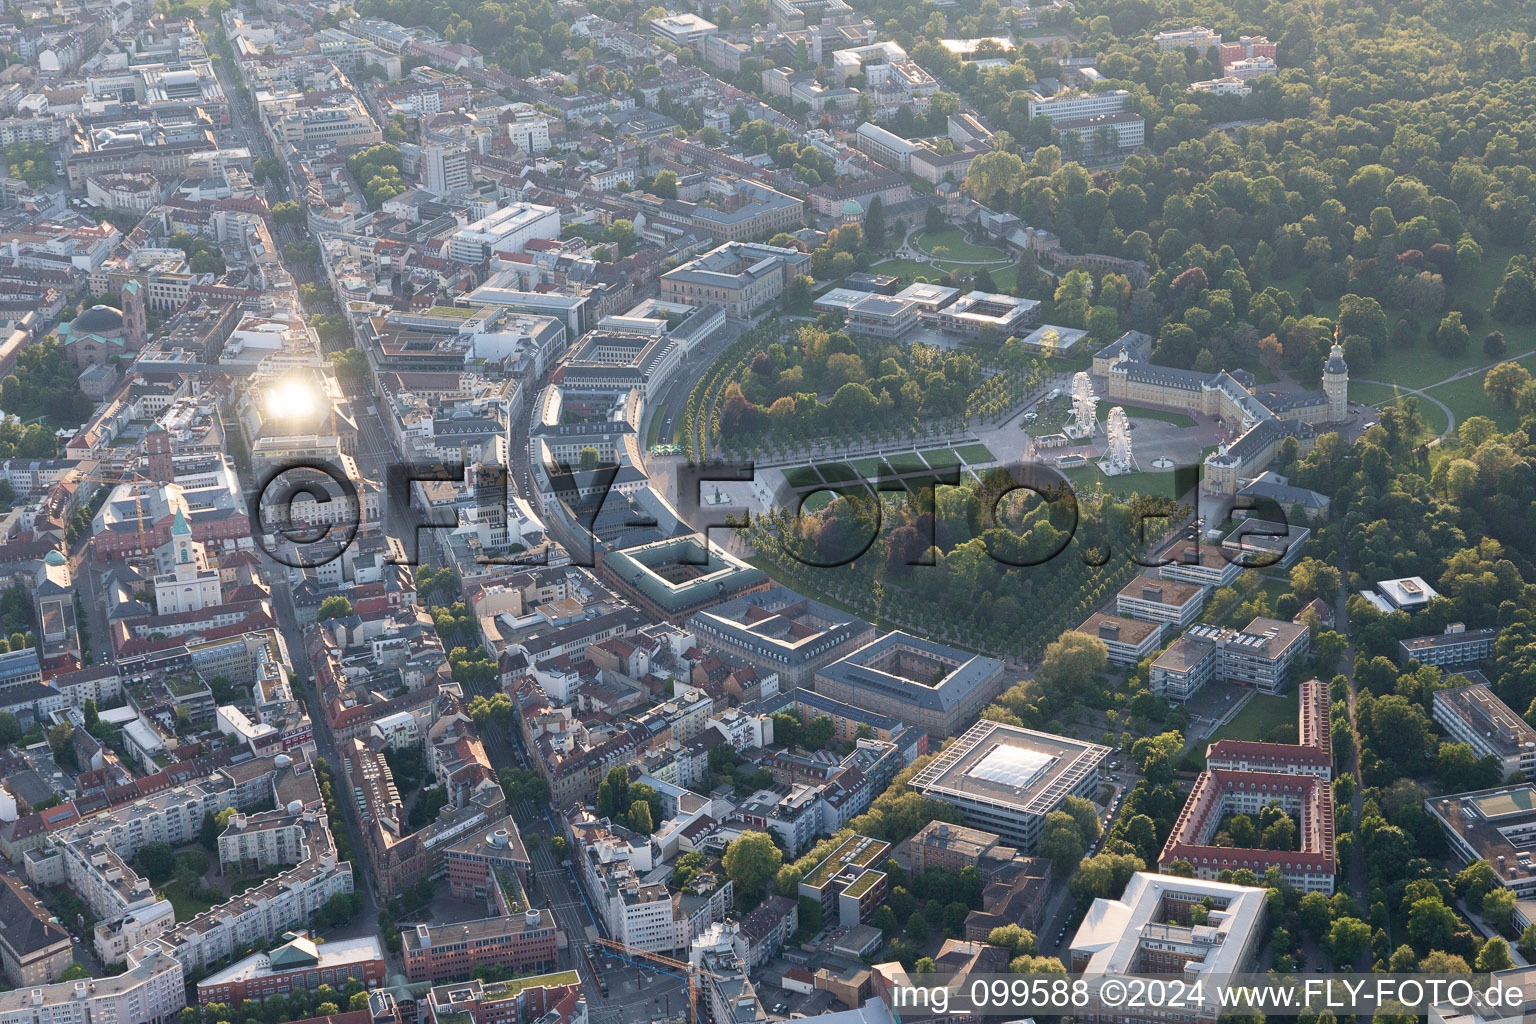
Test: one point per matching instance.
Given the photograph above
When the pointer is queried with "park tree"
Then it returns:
(751, 860)
(1071, 663)
(1503, 383)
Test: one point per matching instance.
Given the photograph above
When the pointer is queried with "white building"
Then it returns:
(1153, 926)
(528, 129)
(507, 230)
(886, 147)
(445, 169)
(1072, 106)
(682, 29)
(1228, 86)
(1251, 67)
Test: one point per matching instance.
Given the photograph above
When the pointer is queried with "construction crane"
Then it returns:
(689, 971)
(113, 477)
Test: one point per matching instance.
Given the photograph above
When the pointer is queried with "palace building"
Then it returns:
(1262, 418)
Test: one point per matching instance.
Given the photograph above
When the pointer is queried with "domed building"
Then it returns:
(102, 333)
(853, 213)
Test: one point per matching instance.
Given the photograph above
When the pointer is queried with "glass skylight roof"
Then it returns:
(1012, 766)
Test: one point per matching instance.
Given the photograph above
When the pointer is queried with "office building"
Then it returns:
(1473, 715)
(777, 630)
(1458, 647)
(1102, 134)
(682, 29)
(885, 147)
(1072, 106)
(1259, 655)
(673, 578)
(881, 316)
(1007, 779)
(1175, 602)
(333, 126)
(849, 881)
(508, 230)
(926, 684)
(518, 942)
(1496, 825)
(1127, 640)
(981, 313)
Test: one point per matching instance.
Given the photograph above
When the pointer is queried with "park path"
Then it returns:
(1423, 392)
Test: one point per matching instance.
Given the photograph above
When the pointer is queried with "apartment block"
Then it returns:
(1218, 794)
(1312, 754)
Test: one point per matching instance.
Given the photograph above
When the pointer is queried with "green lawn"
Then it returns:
(954, 240)
(516, 985)
(1466, 398)
(836, 472)
(1272, 591)
(1421, 365)
(907, 462)
(939, 457)
(867, 469)
(976, 453)
(1371, 394)
(183, 901)
(1263, 713)
(801, 476)
(817, 500)
(1004, 274)
(1087, 477)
